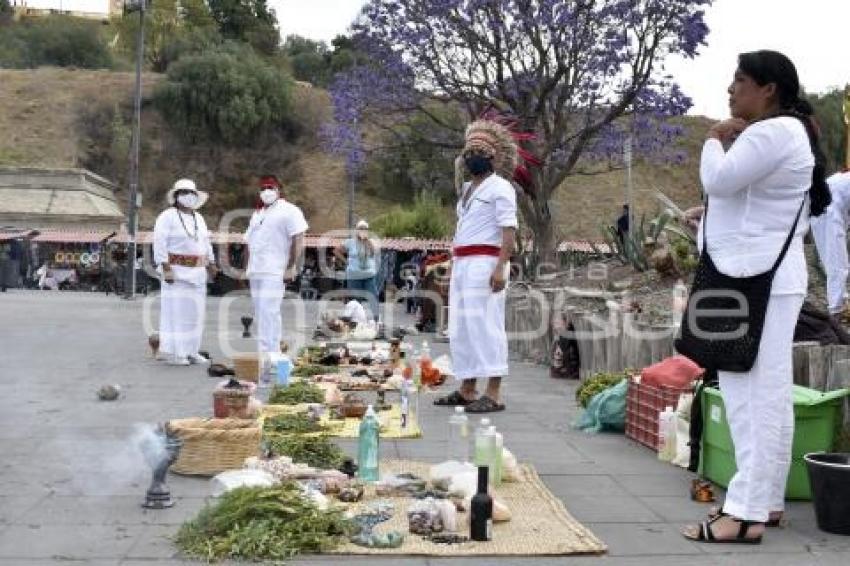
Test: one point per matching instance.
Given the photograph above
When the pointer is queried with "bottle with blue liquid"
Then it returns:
(284, 369)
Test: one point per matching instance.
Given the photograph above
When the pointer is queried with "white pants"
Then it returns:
(760, 410)
(477, 337)
(181, 318)
(830, 234)
(267, 294)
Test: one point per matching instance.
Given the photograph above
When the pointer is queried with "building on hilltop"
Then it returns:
(88, 9)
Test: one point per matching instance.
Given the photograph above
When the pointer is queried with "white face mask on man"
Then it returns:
(269, 196)
(188, 200)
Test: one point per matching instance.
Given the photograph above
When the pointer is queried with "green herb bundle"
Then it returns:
(309, 370)
(294, 423)
(315, 451)
(296, 393)
(597, 384)
(262, 523)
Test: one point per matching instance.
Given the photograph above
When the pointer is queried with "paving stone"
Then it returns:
(651, 539)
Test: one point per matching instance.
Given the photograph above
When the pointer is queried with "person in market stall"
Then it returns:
(483, 244)
(360, 254)
(830, 234)
(184, 257)
(763, 172)
(275, 239)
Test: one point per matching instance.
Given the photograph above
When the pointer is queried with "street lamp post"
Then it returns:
(135, 6)
(351, 184)
(627, 158)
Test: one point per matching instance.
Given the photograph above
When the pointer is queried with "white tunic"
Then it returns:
(755, 190)
(489, 209)
(830, 234)
(189, 237)
(269, 237)
(478, 341)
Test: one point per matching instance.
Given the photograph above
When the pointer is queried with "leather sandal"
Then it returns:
(453, 399)
(706, 534)
(715, 512)
(484, 404)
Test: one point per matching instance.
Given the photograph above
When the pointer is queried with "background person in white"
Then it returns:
(830, 234)
(184, 254)
(275, 240)
(482, 248)
(755, 190)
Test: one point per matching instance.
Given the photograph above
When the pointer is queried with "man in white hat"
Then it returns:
(183, 253)
(481, 252)
(275, 239)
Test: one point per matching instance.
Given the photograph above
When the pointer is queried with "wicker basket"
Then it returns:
(247, 367)
(211, 446)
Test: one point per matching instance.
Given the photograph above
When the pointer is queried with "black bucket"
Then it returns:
(829, 475)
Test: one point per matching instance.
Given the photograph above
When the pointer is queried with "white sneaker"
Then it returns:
(179, 361)
(198, 359)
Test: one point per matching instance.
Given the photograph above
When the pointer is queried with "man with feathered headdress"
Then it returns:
(482, 248)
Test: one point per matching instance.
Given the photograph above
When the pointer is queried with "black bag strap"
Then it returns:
(785, 246)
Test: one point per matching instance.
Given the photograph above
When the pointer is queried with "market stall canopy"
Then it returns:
(313, 241)
(7, 235)
(73, 236)
(57, 198)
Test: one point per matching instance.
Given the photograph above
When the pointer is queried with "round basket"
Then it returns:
(211, 446)
(247, 367)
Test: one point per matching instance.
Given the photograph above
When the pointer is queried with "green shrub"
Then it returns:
(427, 218)
(60, 41)
(228, 94)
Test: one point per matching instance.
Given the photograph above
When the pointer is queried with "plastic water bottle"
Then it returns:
(458, 445)
(498, 444)
(667, 435)
(484, 440)
(368, 446)
(284, 369)
(405, 402)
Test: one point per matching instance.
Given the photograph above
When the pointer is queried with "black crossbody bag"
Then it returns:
(723, 321)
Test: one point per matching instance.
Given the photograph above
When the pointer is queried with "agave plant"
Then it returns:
(635, 247)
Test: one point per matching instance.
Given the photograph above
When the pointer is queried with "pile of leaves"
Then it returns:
(597, 384)
(309, 370)
(296, 393)
(262, 523)
(315, 451)
(294, 423)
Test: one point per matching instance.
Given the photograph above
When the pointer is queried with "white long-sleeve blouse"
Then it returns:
(754, 191)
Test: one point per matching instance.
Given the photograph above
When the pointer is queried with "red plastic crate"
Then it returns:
(643, 403)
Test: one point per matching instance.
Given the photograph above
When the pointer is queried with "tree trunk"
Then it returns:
(543, 251)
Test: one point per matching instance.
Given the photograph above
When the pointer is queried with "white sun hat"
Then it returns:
(186, 185)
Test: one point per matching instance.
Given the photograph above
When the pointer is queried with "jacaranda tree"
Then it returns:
(577, 74)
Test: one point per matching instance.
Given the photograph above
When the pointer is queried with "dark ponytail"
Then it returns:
(766, 67)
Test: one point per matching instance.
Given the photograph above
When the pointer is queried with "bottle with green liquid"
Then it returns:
(368, 447)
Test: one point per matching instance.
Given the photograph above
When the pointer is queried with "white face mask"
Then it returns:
(268, 196)
(188, 200)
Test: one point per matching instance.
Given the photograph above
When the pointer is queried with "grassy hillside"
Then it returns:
(62, 117)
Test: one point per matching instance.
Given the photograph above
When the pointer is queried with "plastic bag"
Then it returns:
(676, 371)
(510, 466)
(424, 517)
(606, 410)
(441, 474)
(231, 479)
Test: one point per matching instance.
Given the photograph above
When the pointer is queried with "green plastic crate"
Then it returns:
(815, 416)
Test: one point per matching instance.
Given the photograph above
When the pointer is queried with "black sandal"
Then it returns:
(706, 535)
(484, 404)
(719, 512)
(453, 399)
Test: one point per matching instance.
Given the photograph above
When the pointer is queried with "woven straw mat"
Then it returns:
(540, 525)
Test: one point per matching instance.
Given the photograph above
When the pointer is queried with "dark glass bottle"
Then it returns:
(481, 510)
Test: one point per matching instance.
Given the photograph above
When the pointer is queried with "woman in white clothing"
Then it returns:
(772, 169)
(184, 254)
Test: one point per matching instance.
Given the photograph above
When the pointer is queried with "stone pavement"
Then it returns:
(71, 481)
